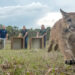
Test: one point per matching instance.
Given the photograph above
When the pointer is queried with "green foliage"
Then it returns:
(1, 26)
(14, 31)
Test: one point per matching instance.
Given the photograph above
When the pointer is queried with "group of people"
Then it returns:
(42, 33)
(24, 32)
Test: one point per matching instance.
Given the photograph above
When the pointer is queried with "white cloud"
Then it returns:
(64, 2)
(49, 19)
(67, 5)
(20, 10)
(32, 12)
(22, 14)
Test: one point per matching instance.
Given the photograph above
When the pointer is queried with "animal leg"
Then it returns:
(56, 47)
(51, 46)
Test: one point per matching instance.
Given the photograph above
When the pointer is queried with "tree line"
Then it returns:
(14, 31)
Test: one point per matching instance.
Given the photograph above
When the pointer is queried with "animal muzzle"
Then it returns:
(72, 27)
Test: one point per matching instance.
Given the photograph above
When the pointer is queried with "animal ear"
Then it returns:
(64, 13)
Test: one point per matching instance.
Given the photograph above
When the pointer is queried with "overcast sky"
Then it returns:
(33, 13)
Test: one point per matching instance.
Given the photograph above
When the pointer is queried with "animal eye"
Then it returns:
(69, 20)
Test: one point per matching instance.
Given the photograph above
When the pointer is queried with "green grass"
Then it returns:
(32, 62)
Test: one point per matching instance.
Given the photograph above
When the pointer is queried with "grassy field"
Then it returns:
(32, 62)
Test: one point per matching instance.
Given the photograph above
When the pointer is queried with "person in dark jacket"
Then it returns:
(42, 33)
(25, 35)
(3, 34)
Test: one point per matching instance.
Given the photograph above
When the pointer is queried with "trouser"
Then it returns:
(4, 41)
(44, 41)
(26, 42)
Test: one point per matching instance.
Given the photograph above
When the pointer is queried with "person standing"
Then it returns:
(4, 34)
(42, 33)
(25, 36)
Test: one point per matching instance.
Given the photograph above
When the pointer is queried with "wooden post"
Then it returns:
(42, 42)
(30, 41)
(1, 44)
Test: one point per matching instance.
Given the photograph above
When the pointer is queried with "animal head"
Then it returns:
(69, 19)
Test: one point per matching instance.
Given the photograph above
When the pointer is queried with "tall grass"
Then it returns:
(32, 62)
